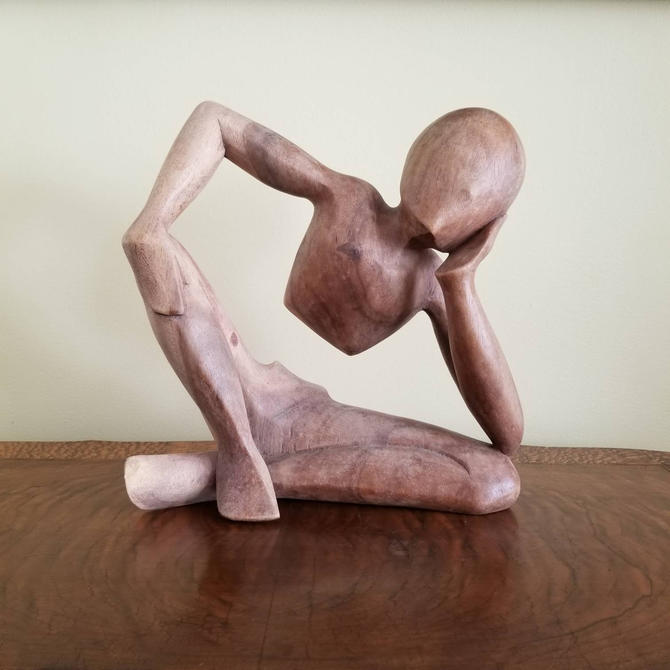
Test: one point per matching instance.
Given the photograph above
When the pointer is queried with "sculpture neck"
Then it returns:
(405, 229)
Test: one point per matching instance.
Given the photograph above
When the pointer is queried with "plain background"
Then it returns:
(576, 288)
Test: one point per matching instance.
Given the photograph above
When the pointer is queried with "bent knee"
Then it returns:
(495, 487)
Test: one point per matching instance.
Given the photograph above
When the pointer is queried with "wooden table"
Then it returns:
(576, 575)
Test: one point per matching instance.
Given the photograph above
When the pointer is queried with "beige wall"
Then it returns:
(577, 287)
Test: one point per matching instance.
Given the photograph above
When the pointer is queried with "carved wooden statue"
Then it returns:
(362, 271)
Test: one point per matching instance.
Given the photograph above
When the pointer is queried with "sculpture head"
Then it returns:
(463, 171)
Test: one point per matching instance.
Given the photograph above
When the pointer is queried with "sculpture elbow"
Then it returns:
(508, 447)
(509, 439)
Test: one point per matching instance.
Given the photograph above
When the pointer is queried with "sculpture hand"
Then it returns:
(464, 260)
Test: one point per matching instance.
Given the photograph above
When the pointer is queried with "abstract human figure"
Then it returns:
(362, 270)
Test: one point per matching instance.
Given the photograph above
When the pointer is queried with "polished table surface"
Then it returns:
(575, 575)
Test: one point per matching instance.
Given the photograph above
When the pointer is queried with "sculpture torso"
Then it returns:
(354, 281)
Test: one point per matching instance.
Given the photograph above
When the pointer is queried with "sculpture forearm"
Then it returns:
(484, 378)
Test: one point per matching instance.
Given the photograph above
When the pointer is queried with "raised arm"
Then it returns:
(214, 131)
(210, 133)
(470, 347)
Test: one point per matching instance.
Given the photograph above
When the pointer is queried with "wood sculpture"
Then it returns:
(362, 271)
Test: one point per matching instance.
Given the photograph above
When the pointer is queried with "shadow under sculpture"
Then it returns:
(362, 271)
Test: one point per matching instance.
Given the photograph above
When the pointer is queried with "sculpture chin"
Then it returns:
(449, 233)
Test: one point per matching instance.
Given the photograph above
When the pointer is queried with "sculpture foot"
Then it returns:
(244, 489)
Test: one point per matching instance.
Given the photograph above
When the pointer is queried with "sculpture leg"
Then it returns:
(196, 342)
(483, 482)
(342, 453)
(347, 454)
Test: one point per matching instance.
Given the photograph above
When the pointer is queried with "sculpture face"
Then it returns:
(463, 171)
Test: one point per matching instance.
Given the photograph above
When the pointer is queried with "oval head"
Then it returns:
(463, 171)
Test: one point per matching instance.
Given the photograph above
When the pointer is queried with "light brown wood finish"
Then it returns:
(576, 575)
(104, 450)
(362, 271)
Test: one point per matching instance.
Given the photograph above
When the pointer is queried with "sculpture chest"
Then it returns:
(348, 287)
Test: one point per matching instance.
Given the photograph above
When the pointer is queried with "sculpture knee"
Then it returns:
(494, 488)
(208, 108)
(156, 270)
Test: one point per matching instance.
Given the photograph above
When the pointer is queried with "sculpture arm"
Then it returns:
(210, 133)
(471, 349)
(438, 317)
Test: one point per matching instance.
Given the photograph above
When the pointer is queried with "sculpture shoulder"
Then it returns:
(350, 201)
(281, 164)
(347, 188)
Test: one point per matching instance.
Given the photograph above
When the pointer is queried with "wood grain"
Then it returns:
(575, 575)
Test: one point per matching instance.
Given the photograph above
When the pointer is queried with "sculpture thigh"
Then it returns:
(485, 480)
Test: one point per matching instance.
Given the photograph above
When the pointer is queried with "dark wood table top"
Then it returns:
(575, 575)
